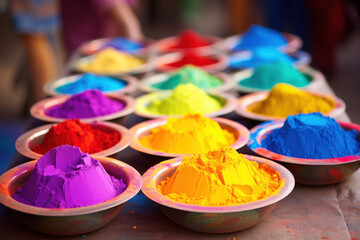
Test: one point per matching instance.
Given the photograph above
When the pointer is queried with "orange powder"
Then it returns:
(220, 178)
(192, 133)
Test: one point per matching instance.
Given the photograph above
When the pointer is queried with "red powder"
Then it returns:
(190, 39)
(193, 59)
(75, 133)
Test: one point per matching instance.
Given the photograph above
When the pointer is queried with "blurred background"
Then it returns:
(330, 30)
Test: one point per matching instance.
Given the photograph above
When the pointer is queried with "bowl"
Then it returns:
(130, 81)
(240, 132)
(25, 143)
(147, 82)
(246, 101)
(213, 219)
(316, 78)
(306, 171)
(68, 221)
(145, 100)
(160, 63)
(39, 109)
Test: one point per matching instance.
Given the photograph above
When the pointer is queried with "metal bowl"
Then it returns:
(69, 221)
(246, 101)
(147, 82)
(240, 132)
(315, 77)
(213, 219)
(39, 109)
(26, 142)
(307, 171)
(130, 85)
(145, 100)
(160, 63)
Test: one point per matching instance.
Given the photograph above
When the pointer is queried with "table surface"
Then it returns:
(309, 212)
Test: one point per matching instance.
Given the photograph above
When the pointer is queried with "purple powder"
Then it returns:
(65, 177)
(87, 104)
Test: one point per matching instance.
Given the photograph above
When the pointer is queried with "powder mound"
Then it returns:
(74, 133)
(220, 178)
(65, 177)
(185, 98)
(123, 44)
(87, 104)
(193, 59)
(111, 61)
(190, 39)
(312, 136)
(259, 36)
(192, 133)
(190, 74)
(90, 81)
(285, 100)
(268, 75)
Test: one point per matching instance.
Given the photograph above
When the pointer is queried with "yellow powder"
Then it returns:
(285, 100)
(111, 61)
(192, 133)
(220, 178)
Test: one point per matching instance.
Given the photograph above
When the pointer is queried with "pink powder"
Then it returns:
(87, 104)
(65, 177)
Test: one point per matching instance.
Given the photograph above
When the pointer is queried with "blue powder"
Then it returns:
(89, 81)
(123, 44)
(258, 57)
(258, 36)
(312, 136)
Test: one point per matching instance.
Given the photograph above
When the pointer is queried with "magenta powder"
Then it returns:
(65, 177)
(87, 104)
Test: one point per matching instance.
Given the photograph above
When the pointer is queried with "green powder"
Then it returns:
(185, 98)
(190, 74)
(268, 75)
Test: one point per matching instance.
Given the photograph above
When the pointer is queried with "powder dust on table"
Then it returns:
(185, 98)
(74, 133)
(268, 75)
(192, 133)
(87, 104)
(312, 136)
(91, 81)
(193, 59)
(284, 100)
(111, 61)
(65, 177)
(190, 74)
(220, 178)
(189, 39)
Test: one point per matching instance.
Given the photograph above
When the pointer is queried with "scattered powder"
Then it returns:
(312, 136)
(65, 177)
(185, 98)
(87, 104)
(123, 44)
(74, 133)
(91, 81)
(190, 74)
(259, 36)
(193, 59)
(192, 133)
(189, 39)
(111, 61)
(285, 100)
(220, 178)
(268, 75)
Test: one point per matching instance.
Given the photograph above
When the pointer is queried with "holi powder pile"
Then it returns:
(192, 133)
(65, 177)
(111, 61)
(90, 81)
(123, 44)
(312, 136)
(285, 100)
(266, 76)
(259, 36)
(220, 178)
(185, 98)
(74, 133)
(87, 104)
(193, 59)
(189, 39)
(190, 74)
